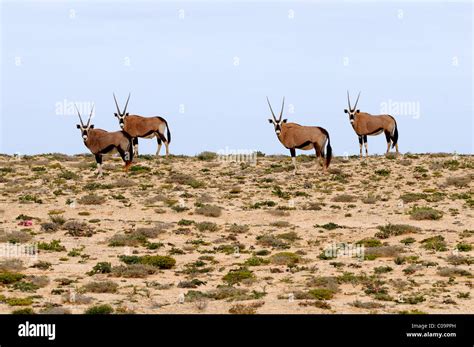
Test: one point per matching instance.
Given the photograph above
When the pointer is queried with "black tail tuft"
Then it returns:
(329, 153)
(168, 133)
(395, 135)
(328, 147)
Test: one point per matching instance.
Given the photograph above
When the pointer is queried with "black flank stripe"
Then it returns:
(303, 145)
(107, 149)
(376, 131)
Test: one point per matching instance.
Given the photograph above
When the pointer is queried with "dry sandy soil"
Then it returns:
(238, 238)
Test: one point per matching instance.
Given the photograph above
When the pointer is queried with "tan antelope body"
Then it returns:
(100, 142)
(294, 136)
(365, 124)
(145, 127)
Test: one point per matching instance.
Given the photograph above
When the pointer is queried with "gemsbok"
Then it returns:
(145, 127)
(99, 142)
(294, 136)
(366, 124)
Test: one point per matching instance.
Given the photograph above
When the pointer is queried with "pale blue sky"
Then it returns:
(220, 60)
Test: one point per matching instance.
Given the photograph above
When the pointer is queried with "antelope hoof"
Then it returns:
(127, 166)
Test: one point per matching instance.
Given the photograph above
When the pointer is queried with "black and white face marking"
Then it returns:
(121, 118)
(277, 125)
(85, 130)
(352, 114)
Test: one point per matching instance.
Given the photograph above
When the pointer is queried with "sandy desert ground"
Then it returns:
(199, 235)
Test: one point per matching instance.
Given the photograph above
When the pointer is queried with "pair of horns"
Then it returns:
(118, 108)
(349, 101)
(281, 112)
(80, 118)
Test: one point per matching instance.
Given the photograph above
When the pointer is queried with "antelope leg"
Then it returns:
(98, 160)
(159, 145)
(366, 146)
(135, 146)
(293, 159)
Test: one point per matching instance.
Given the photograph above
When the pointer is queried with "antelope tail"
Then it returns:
(328, 152)
(328, 147)
(395, 134)
(168, 133)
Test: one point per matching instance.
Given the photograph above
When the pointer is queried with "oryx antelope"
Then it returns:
(294, 136)
(145, 127)
(99, 142)
(366, 124)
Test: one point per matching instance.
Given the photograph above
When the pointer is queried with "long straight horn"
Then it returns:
(116, 104)
(273, 114)
(126, 104)
(90, 116)
(282, 107)
(79, 114)
(349, 101)
(357, 101)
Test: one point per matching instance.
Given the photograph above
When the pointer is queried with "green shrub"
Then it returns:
(256, 261)
(237, 276)
(209, 210)
(101, 287)
(100, 309)
(395, 230)
(54, 245)
(435, 243)
(382, 172)
(464, 247)
(10, 277)
(207, 156)
(285, 258)
(91, 199)
(425, 213)
(19, 301)
(207, 226)
(101, 268)
(321, 293)
(369, 242)
(329, 226)
(159, 261)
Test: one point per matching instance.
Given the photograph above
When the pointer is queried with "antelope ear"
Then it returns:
(115, 114)
(78, 126)
(126, 114)
(346, 111)
(357, 111)
(285, 120)
(92, 126)
(270, 121)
